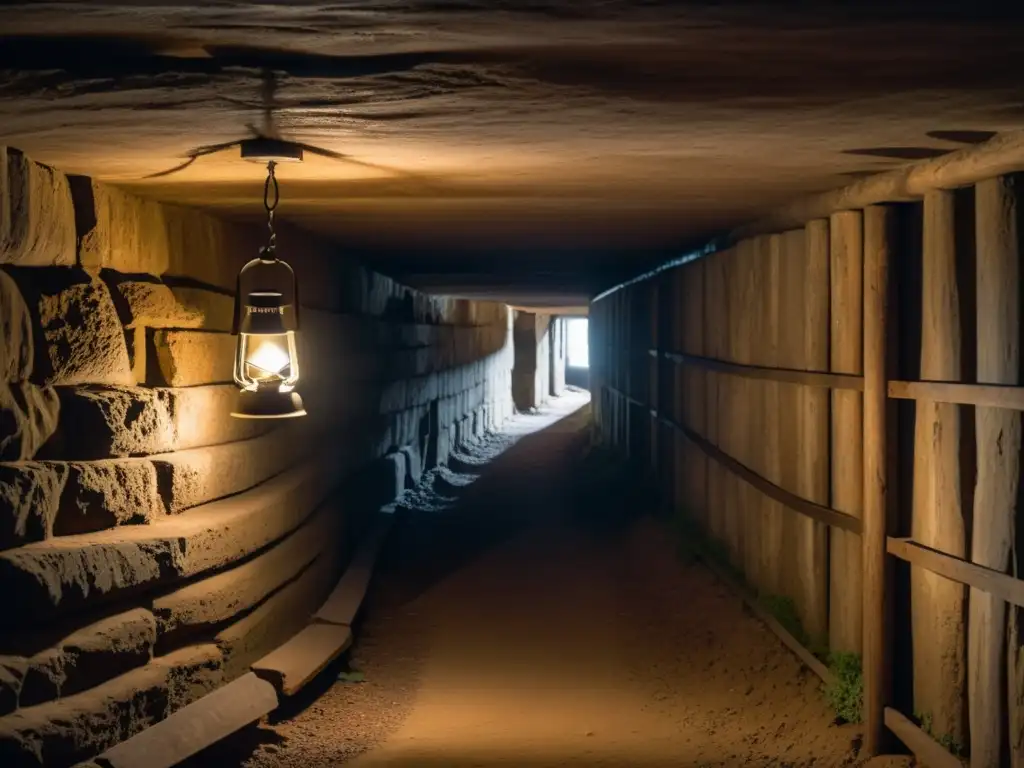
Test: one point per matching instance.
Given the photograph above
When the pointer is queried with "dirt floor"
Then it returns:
(517, 621)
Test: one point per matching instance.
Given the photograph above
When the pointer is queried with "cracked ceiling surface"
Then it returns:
(535, 150)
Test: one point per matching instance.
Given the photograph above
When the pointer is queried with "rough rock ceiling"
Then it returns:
(538, 147)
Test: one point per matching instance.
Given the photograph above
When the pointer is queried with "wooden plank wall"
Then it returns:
(773, 306)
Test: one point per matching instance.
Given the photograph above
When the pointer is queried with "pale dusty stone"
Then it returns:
(37, 219)
(134, 235)
(103, 494)
(30, 495)
(78, 335)
(216, 309)
(280, 616)
(191, 730)
(16, 348)
(28, 418)
(345, 599)
(113, 422)
(227, 594)
(189, 358)
(89, 656)
(150, 303)
(290, 667)
(139, 421)
(65, 573)
(199, 475)
(78, 727)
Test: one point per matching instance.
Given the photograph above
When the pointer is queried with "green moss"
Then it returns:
(845, 693)
(948, 742)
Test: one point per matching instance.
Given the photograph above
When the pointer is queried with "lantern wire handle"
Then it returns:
(271, 197)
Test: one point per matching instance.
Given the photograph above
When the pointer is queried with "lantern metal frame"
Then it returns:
(264, 311)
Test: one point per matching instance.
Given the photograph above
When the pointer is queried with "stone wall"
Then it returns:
(151, 546)
(532, 379)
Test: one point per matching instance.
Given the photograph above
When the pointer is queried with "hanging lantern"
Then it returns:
(266, 320)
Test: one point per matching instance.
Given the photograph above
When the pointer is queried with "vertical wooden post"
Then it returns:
(716, 327)
(812, 436)
(876, 660)
(693, 380)
(731, 414)
(791, 329)
(748, 435)
(846, 351)
(771, 457)
(937, 603)
(998, 435)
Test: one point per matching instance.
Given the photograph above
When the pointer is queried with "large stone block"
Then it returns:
(16, 348)
(134, 235)
(280, 616)
(221, 597)
(89, 656)
(78, 334)
(37, 218)
(149, 302)
(30, 494)
(69, 572)
(192, 672)
(103, 494)
(73, 729)
(189, 358)
(28, 418)
(199, 475)
(100, 422)
(216, 309)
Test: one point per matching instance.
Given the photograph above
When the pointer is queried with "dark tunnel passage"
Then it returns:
(524, 383)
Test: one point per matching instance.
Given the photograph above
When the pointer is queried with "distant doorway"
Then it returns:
(577, 364)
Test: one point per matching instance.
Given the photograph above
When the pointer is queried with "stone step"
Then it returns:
(68, 573)
(343, 603)
(73, 729)
(196, 476)
(98, 495)
(196, 727)
(227, 594)
(289, 667)
(83, 659)
(102, 422)
(30, 493)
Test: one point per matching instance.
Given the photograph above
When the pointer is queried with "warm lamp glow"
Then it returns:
(268, 359)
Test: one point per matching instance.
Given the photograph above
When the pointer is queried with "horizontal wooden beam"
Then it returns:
(785, 375)
(623, 395)
(827, 515)
(1002, 585)
(925, 748)
(1000, 155)
(991, 395)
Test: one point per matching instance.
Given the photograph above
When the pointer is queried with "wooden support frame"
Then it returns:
(785, 375)
(921, 744)
(991, 395)
(1002, 585)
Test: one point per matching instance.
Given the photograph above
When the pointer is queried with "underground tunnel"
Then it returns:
(528, 384)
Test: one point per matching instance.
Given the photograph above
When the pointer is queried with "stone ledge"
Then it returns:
(289, 667)
(72, 729)
(37, 217)
(196, 476)
(98, 495)
(101, 422)
(221, 597)
(67, 573)
(196, 727)
(279, 616)
(343, 603)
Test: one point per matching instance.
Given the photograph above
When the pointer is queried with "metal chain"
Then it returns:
(270, 206)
